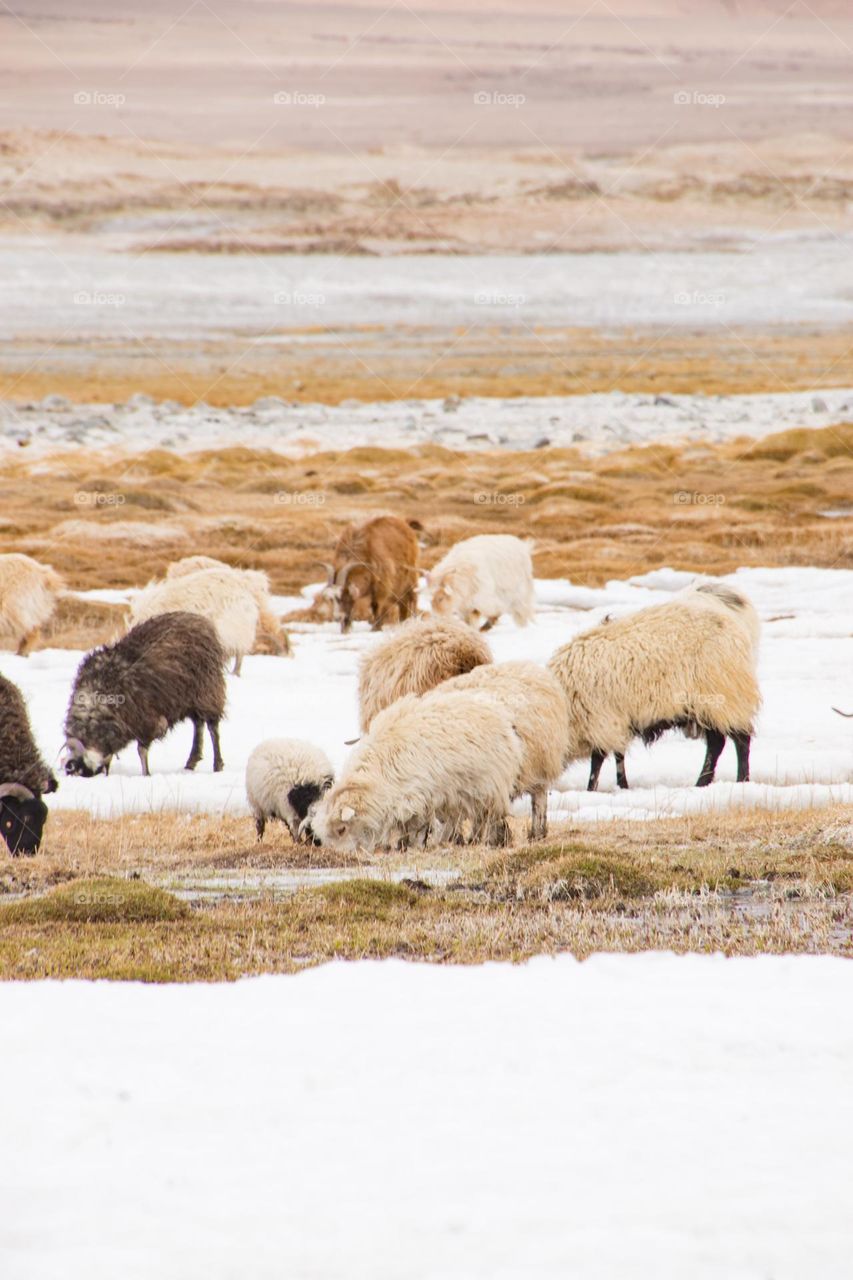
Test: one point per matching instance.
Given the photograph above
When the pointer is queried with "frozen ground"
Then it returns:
(643, 1116)
(776, 281)
(596, 424)
(802, 754)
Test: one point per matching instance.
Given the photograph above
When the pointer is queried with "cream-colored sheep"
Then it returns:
(220, 596)
(424, 762)
(415, 657)
(681, 665)
(271, 636)
(28, 595)
(285, 778)
(535, 701)
(483, 577)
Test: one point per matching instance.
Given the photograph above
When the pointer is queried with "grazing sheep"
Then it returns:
(28, 592)
(165, 670)
(285, 778)
(537, 705)
(216, 594)
(24, 776)
(377, 561)
(271, 637)
(424, 761)
(417, 656)
(484, 577)
(680, 665)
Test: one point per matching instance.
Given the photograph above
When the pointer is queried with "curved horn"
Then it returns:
(342, 574)
(330, 570)
(848, 715)
(15, 791)
(74, 744)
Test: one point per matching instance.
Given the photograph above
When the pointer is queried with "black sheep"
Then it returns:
(163, 671)
(24, 776)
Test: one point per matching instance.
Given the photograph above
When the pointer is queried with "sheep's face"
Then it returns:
(87, 764)
(442, 600)
(22, 823)
(343, 824)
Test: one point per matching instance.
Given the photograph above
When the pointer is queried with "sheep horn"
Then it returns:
(342, 574)
(15, 791)
(330, 570)
(74, 744)
(848, 715)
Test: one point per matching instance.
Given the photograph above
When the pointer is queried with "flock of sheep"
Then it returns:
(449, 738)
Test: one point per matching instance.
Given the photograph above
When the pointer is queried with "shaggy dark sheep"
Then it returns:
(24, 776)
(163, 671)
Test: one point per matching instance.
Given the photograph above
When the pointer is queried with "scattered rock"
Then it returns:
(819, 405)
(543, 442)
(55, 402)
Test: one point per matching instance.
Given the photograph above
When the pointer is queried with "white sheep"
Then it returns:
(285, 779)
(218, 595)
(415, 657)
(537, 705)
(687, 664)
(424, 762)
(484, 577)
(28, 595)
(258, 583)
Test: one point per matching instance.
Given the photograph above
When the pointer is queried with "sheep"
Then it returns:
(424, 761)
(416, 657)
(216, 594)
(484, 577)
(271, 637)
(165, 670)
(28, 593)
(24, 776)
(536, 702)
(734, 604)
(285, 779)
(377, 560)
(681, 665)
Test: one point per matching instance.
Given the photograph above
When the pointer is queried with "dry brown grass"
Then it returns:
(372, 364)
(748, 503)
(742, 885)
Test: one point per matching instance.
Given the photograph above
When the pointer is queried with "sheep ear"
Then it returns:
(347, 813)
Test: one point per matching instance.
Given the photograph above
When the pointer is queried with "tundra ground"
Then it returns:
(121, 899)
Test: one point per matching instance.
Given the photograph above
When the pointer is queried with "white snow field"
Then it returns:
(802, 754)
(652, 1116)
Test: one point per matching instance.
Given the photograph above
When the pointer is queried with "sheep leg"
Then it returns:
(198, 744)
(742, 742)
(238, 662)
(488, 624)
(596, 760)
(213, 730)
(142, 752)
(538, 814)
(260, 825)
(716, 741)
(28, 641)
(621, 776)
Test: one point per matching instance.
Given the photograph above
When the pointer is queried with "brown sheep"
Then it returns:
(376, 560)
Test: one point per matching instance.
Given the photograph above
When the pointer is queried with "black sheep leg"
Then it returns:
(213, 730)
(197, 747)
(596, 760)
(621, 776)
(742, 743)
(716, 741)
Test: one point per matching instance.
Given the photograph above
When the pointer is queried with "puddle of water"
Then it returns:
(243, 885)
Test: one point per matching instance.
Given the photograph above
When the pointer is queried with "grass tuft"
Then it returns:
(104, 900)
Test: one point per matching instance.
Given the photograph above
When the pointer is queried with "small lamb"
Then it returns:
(285, 778)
